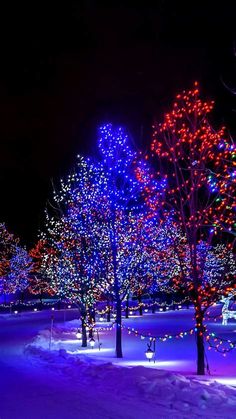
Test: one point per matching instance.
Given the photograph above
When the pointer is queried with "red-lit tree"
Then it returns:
(8, 245)
(198, 163)
(39, 283)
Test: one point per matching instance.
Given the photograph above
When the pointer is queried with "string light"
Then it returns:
(198, 165)
(97, 248)
(15, 264)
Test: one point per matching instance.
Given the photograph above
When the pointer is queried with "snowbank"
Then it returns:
(169, 395)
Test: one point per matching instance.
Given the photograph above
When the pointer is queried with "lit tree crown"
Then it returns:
(199, 164)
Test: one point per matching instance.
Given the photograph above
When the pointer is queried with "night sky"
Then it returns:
(67, 68)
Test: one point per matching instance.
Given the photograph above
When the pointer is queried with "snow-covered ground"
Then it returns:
(73, 382)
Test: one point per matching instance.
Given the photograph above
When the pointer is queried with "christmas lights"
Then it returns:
(97, 241)
(15, 264)
(198, 165)
(39, 283)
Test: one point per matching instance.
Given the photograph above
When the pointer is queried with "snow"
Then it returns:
(161, 389)
(73, 382)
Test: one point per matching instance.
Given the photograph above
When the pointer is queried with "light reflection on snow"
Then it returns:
(90, 351)
(77, 341)
(146, 363)
(227, 381)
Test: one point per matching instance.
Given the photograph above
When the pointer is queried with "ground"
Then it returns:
(70, 382)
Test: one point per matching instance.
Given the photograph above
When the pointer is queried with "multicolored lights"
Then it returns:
(121, 225)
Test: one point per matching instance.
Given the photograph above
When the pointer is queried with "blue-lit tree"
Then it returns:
(20, 268)
(15, 264)
(125, 216)
(97, 236)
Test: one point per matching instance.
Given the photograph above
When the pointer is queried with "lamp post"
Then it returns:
(99, 343)
(79, 334)
(150, 353)
(92, 342)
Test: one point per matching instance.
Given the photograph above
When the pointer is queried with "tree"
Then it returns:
(20, 267)
(39, 283)
(198, 163)
(73, 265)
(96, 233)
(216, 269)
(123, 214)
(14, 263)
(148, 273)
(7, 247)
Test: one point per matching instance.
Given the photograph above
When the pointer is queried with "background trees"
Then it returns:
(20, 268)
(39, 283)
(15, 264)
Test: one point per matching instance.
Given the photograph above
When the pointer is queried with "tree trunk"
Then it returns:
(84, 334)
(118, 330)
(199, 315)
(91, 321)
(200, 342)
(116, 289)
(140, 304)
(127, 307)
(109, 313)
(41, 300)
(83, 327)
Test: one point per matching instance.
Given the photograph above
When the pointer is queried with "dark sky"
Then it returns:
(67, 67)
